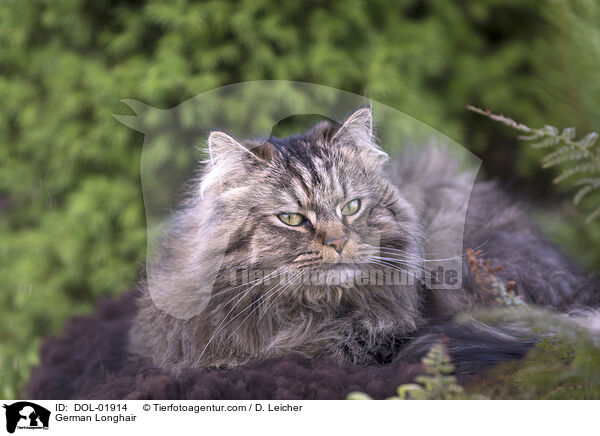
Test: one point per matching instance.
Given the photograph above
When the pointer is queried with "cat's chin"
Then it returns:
(332, 275)
(339, 266)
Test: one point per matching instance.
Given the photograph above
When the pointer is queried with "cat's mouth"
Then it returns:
(339, 266)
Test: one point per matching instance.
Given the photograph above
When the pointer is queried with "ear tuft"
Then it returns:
(230, 158)
(358, 131)
(221, 144)
(357, 128)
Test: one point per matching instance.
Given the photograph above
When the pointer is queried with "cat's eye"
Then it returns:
(291, 219)
(351, 207)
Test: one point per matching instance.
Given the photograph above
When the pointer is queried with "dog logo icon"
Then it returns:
(26, 415)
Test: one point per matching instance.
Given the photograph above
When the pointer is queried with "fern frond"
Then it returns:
(504, 120)
(582, 168)
(549, 141)
(568, 132)
(595, 214)
(589, 140)
(588, 181)
(561, 155)
(582, 193)
(590, 185)
(575, 157)
(551, 131)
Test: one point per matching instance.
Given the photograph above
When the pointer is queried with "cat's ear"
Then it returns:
(229, 157)
(358, 130)
(222, 146)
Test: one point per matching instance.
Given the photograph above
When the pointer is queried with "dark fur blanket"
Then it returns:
(88, 361)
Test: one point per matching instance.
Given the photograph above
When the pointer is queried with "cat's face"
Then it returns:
(316, 202)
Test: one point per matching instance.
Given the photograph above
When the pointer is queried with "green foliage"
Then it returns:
(74, 227)
(562, 366)
(573, 157)
(438, 383)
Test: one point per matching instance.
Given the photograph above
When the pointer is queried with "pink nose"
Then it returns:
(337, 243)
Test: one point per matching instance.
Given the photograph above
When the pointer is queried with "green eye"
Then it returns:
(351, 207)
(291, 219)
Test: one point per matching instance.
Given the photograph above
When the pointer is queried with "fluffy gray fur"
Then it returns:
(409, 209)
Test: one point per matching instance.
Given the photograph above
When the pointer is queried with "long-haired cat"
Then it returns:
(329, 201)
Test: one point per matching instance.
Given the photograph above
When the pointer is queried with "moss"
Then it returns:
(556, 369)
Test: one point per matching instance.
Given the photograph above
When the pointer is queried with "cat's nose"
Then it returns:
(337, 243)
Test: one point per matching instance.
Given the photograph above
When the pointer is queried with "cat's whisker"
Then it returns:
(403, 253)
(403, 262)
(267, 294)
(220, 326)
(388, 256)
(255, 282)
(228, 290)
(429, 260)
(277, 292)
(302, 275)
(315, 255)
(396, 268)
(387, 266)
(308, 263)
(419, 279)
(402, 271)
(412, 256)
(461, 256)
(407, 254)
(398, 259)
(264, 297)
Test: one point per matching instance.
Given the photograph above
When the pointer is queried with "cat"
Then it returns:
(331, 200)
